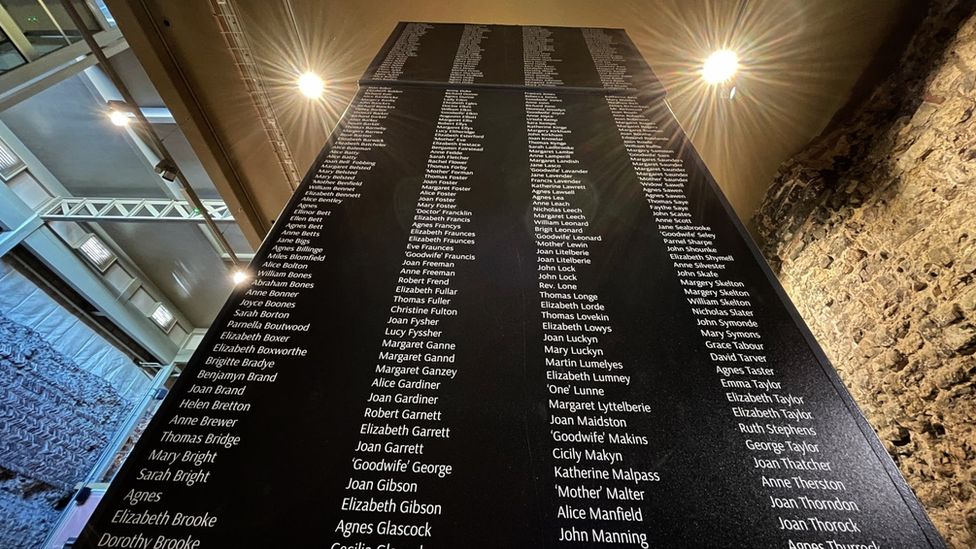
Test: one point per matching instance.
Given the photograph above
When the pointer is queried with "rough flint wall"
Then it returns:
(27, 304)
(55, 419)
(872, 230)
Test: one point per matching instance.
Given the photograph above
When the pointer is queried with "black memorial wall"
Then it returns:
(509, 307)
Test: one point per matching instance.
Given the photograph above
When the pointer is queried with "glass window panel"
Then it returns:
(64, 20)
(36, 24)
(9, 56)
(43, 32)
(100, 4)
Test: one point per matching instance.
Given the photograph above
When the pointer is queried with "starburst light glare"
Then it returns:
(239, 276)
(119, 118)
(720, 66)
(311, 85)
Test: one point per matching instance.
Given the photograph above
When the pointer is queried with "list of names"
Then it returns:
(537, 60)
(389, 491)
(506, 308)
(777, 427)
(598, 490)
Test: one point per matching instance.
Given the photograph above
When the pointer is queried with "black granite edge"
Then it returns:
(901, 485)
(656, 94)
(508, 25)
(659, 87)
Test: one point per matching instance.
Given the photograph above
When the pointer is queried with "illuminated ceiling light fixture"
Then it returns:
(121, 113)
(119, 118)
(239, 276)
(311, 85)
(96, 252)
(163, 318)
(720, 67)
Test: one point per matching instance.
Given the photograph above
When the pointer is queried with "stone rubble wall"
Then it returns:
(872, 231)
(55, 420)
(23, 302)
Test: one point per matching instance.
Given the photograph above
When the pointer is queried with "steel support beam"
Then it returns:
(12, 30)
(242, 257)
(145, 130)
(104, 90)
(68, 208)
(10, 237)
(28, 80)
(16, 214)
(239, 47)
(149, 41)
(57, 256)
(17, 221)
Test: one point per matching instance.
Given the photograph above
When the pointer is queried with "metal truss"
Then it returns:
(131, 209)
(239, 46)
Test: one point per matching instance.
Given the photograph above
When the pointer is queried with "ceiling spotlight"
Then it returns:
(311, 85)
(166, 170)
(119, 118)
(720, 66)
(239, 276)
(121, 113)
